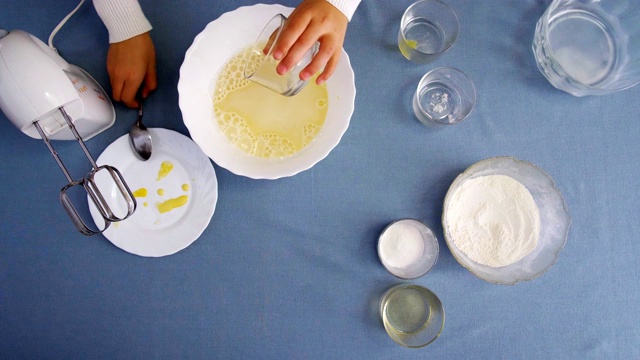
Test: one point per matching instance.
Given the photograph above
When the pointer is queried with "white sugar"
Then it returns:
(401, 245)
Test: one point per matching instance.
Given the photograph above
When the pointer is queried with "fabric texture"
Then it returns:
(124, 19)
(288, 268)
(347, 7)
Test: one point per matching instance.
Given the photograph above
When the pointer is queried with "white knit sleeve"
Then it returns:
(124, 19)
(347, 7)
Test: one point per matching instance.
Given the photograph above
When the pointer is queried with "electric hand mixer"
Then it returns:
(48, 98)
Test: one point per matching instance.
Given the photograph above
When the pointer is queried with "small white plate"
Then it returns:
(207, 56)
(148, 232)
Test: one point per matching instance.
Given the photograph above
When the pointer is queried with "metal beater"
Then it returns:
(89, 185)
(37, 86)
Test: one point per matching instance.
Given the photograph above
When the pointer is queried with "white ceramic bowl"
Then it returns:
(210, 51)
(554, 220)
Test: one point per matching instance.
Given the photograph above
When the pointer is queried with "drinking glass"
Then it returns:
(428, 28)
(412, 315)
(444, 96)
(261, 66)
(589, 47)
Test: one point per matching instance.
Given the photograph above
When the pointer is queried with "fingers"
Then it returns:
(325, 53)
(150, 80)
(312, 21)
(308, 37)
(130, 64)
(269, 43)
(125, 88)
(293, 28)
(329, 68)
(293, 42)
(116, 87)
(128, 91)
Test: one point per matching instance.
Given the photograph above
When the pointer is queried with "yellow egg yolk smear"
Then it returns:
(165, 169)
(142, 192)
(171, 204)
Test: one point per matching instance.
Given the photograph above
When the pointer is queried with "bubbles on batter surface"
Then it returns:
(273, 146)
(310, 132)
(237, 131)
(243, 133)
(231, 77)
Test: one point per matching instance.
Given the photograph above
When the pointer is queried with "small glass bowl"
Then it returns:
(412, 315)
(554, 220)
(424, 261)
(445, 96)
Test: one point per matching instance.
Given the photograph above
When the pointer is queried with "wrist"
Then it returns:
(124, 19)
(347, 7)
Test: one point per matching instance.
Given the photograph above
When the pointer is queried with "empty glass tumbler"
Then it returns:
(261, 66)
(589, 47)
(428, 28)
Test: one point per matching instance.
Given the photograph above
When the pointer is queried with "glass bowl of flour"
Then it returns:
(504, 220)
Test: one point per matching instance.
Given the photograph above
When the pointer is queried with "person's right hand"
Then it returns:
(311, 21)
(131, 64)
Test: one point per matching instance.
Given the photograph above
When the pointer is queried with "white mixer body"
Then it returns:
(35, 81)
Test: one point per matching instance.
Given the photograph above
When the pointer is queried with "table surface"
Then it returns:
(288, 269)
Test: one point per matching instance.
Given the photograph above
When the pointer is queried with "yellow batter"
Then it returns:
(262, 122)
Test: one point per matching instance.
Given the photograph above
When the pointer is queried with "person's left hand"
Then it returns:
(132, 64)
(311, 21)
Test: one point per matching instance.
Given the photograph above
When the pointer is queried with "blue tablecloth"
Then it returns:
(288, 269)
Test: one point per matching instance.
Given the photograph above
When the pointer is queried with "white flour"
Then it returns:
(401, 245)
(493, 220)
